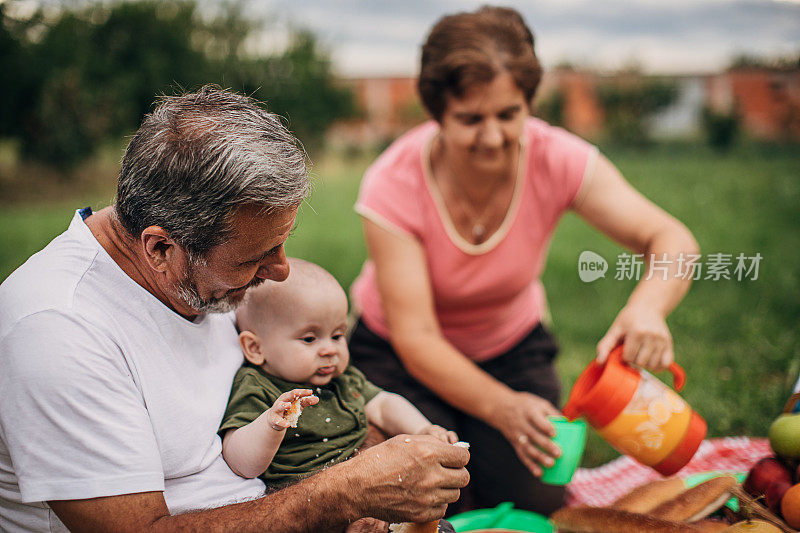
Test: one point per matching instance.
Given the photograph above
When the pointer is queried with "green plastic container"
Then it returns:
(571, 438)
(696, 479)
(503, 517)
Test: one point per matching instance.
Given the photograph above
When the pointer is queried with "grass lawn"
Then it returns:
(739, 341)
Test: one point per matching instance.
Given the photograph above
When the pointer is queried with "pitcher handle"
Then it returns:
(677, 371)
(678, 376)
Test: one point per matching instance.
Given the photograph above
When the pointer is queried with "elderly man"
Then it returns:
(116, 354)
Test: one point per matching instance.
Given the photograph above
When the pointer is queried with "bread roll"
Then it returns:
(411, 527)
(697, 502)
(711, 526)
(647, 497)
(605, 520)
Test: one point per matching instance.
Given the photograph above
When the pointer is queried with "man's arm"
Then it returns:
(289, 510)
(410, 481)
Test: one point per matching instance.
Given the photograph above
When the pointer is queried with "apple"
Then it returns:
(774, 494)
(784, 436)
(762, 474)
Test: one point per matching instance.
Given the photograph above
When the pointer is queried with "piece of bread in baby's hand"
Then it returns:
(697, 502)
(584, 519)
(293, 413)
(647, 497)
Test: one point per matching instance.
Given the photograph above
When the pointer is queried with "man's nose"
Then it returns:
(274, 267)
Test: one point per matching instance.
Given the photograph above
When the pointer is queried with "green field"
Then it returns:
(738, 340)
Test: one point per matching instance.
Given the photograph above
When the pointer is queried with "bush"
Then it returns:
(721, 129)
(627, 105)
(551, 108)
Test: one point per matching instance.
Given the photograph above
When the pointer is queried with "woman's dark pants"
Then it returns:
(497, 475)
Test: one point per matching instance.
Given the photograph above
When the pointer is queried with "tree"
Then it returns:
(629, 102)
(297, 84)
(90, 73)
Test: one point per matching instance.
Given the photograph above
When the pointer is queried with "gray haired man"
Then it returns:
(117, 354)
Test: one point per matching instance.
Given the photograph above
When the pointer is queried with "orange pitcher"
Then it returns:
(637, 414)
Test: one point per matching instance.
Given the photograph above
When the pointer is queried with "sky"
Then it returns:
(383, 37)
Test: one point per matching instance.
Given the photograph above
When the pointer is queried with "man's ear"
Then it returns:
(251, 347)
(159, 248)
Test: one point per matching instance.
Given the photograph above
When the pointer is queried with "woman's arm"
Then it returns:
(408, 304)
(249, 450)
(612, 205)
(394, 415)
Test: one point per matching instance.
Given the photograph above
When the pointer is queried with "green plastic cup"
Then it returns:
(571, 439)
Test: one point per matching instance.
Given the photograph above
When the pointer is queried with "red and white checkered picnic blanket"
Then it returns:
(602, 485)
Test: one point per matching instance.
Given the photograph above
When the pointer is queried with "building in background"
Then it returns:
(766, 102)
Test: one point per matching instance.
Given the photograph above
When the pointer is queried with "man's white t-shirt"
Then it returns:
(104, 390)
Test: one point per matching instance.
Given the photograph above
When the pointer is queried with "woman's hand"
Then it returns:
(523, 421)
(644, 331)
(440, 433)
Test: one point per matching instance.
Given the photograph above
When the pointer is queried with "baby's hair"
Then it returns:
(273, 299)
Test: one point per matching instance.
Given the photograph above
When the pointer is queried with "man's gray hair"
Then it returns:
(197, 158)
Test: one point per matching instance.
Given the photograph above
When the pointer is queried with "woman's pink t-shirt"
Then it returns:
(488, 296)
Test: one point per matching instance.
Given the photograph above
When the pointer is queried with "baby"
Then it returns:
(293, 337)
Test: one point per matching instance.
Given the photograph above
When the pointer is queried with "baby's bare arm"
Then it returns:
(249, 450)
(395, 415)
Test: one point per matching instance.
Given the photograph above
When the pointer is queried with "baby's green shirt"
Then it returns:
(326, 433)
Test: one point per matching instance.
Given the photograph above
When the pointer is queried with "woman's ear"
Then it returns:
(251, 347)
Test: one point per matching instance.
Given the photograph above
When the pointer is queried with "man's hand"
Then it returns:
(408, 478)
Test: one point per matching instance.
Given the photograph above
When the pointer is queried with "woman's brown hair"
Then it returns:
(465, 49)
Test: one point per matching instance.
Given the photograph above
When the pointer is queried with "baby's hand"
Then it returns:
(280, 415)
(440, 433)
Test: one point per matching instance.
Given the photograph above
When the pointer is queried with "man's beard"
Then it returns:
(188, 294)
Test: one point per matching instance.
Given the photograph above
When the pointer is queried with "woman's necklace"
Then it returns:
(478, 217)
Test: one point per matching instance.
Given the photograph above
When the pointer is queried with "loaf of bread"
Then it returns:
(647, 497)
(709, 525)
(411, 527)
(604, 520)
(697, 502)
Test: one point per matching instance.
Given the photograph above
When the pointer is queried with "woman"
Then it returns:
(457, 217)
